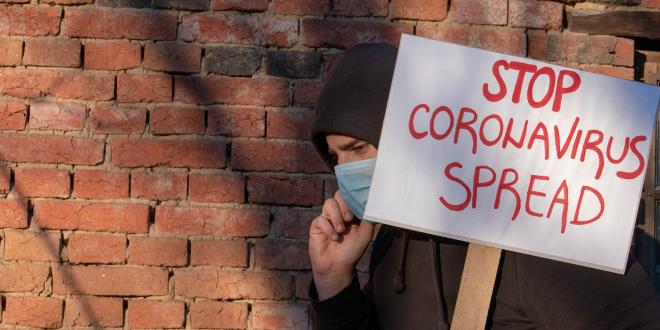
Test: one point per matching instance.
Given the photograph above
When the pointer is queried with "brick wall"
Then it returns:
(154, 164)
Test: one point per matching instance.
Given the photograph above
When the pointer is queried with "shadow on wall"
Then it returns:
(214, 92)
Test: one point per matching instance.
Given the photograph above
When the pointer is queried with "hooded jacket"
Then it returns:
(414, 277)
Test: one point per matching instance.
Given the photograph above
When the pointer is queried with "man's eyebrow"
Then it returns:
(348, 145)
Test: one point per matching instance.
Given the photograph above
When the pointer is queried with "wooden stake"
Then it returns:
(476, 290)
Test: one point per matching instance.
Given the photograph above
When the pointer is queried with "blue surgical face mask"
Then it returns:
(354, 180)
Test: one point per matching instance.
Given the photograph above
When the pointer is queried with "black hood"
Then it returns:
(353, 98)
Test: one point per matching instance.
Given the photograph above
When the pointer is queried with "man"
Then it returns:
(414, 277)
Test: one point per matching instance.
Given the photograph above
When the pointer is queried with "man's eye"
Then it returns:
(360, 148)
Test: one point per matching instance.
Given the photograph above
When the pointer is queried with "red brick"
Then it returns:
(301, 7)
(41, 312)
(15, 1)
(450, 32)
(429, 10)
(572, 47)
(329, 187)
(289, 125)
(272, 254)
(215, 314)
(77, 215)
(177, 120)
(360, 8)
(110, 281)
(30, 277)
(112, 55)
(535, 14)
(33, 83)
(158, 251)
(172, 56)
(303, 191)
(100, 184)
(231, 90)
(153, 314)
(624, 52)
(171, 153)
(279, 316)
(235, 121)
(11, 52)
(30, 21)
(61, 116)
(219, 253)
(42, 182)
(158, 185)
(87, 311)
(293, 223)
(346, 33)
(113, 23)
(12, 115)
(651, 3)
(306, 92)
(491, 12)
(27, 245)
(51, 149)
(13, 213)
(302, 285)
(136, 87)
(216, 188)
(241, 5)
(613, 71)
(52, 52)
(255, 155)
(223, 222)
(239, 29)
(92, 248)
(212, 284)
(118, 120)
(502, 40)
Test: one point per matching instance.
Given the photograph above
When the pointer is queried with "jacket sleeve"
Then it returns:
(558, 295)
(351, 308)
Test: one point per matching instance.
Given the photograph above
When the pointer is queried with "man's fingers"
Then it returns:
(332, 212)
(323, 224)
(346, 213)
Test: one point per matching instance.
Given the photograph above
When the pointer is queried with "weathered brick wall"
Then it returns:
(155, 171)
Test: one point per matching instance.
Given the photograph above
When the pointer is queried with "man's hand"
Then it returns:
(337, 240)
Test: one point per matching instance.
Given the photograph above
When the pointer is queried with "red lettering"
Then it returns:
(464, 204)
(578, 138)
(531, 191)
(494, 97)
(593, 146)
(411, 122)
(623, 153)
(437, 111)
(576, 221)
(540, 127)
(465, 125)
(563, 189)
(479, 184)
(640, 168)
(562, 150)
(482, 135)
(508, 185)
(561, 90)
(530, 95)
(523, 69)
(508, 139)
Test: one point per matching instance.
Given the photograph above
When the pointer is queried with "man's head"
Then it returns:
(351, 105)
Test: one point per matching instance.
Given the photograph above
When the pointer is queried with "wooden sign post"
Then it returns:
(477, 282)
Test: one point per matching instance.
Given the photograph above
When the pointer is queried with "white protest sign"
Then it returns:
(513, 153)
